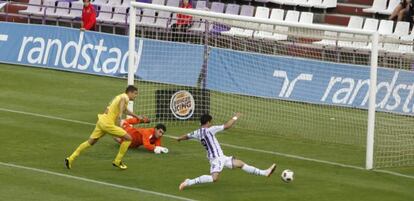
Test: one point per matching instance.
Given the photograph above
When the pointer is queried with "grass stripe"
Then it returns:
(231, 146)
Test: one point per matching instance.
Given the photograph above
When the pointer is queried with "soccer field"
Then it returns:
(45, 114)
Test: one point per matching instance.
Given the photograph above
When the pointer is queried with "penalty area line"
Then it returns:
(10, 165)
(229, 145)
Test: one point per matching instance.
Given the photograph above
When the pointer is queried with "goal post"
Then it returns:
(258, 104)
(131, 51)
(369, 159)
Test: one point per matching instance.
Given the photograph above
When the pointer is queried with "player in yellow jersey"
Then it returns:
(107, 123)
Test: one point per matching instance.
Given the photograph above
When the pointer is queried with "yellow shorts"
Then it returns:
(103, 127)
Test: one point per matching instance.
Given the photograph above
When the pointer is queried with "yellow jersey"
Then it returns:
(112, 112)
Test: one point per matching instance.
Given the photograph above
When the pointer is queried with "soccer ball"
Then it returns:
(287, 176)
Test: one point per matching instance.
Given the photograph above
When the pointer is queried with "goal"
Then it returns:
(295, 82)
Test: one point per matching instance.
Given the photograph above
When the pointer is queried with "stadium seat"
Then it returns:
(311, 3)
(385, 27)
(105, 14)
(75, 11)
(264, 2)
(377, 5)
(232, 9)
(62, 10)
(99, 2)
(292, 16)
(402, 29)
(295, 2)
(276, 15)
(280, 2)
(34, 7)
(126, 3)
(327, 42)
(371, 25)
(158, 2)
(261, 12)
(148, 17)
(326, 4)
(306, 18)
(120, 16)
(246, 10)
(407, 47)
(355, 22)
(50, 7)
(164, 16)
(114, 3)
(390, 8)
(162, 19)
(215, 7)
(218, 8)
(137, 17)
(173, 3)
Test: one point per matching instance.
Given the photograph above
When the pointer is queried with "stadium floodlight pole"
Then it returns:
(369, 162)
(369, 159)
(131, 50)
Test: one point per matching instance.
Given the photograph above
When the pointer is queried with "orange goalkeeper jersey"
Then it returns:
(141, 136)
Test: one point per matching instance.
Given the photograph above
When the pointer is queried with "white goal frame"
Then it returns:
(374, 36)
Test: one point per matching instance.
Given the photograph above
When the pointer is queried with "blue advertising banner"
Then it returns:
(96, 53)
(310, 81)
(276, 77)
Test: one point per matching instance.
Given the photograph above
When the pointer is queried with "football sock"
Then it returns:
(252, 170)
(78, 150)
(122, 150)
(200, 180)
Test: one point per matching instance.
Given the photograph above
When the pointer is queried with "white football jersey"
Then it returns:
(207, 137)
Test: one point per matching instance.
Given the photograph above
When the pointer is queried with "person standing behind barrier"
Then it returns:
(183, 22)
(88, 16)
(403, 12)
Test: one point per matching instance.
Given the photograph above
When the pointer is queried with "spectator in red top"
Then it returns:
(183, 22)
(88, 16)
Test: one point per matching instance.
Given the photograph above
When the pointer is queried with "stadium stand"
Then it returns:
(351, 13)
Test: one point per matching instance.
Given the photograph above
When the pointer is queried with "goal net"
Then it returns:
(303, 89)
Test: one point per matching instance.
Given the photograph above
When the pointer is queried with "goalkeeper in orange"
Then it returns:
(108, 124)
(149, 137)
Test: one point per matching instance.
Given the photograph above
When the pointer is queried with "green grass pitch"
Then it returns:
(31, 135)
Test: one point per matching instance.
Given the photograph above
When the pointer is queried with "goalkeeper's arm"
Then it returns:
(232, 121)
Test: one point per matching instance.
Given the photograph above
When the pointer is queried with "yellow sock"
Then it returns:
(78, 150)
(122, 150)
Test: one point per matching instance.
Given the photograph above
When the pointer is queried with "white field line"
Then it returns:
(94, 181)
(229, 145)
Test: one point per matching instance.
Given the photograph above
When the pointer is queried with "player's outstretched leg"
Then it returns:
(199, 180)
(123, 148)
(253, 170)
(85, 145)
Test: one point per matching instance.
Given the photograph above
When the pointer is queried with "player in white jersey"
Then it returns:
(206, 134)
